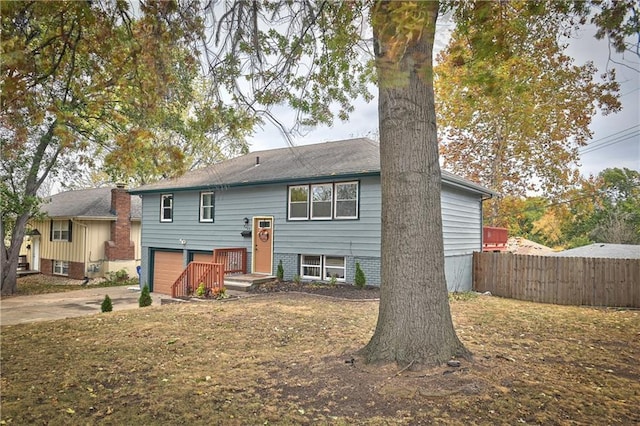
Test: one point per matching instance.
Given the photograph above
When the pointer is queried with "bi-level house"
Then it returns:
(315, 208)
(84, 233)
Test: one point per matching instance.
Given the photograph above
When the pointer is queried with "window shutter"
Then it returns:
(51, 230)
(70, 228)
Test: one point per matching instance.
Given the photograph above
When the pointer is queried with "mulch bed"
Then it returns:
(341, 291)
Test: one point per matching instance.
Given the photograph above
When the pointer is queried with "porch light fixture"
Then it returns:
(247, 232)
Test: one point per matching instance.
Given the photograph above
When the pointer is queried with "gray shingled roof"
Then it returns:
(610, 251)
(86, 203)
(345, 158)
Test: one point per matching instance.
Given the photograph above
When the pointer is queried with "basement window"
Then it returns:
(60, 267)
(318, 267)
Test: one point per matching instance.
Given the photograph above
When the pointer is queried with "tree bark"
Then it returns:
(38, 171)
(10, 256)
(414, 323)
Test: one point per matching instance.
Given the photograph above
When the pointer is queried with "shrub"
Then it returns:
(106, 306)
(145, 297)
(360, 278)
(280, 272)
(119, 278)
(220, 293)
(297, 279)
(201, 290)
(333, 281)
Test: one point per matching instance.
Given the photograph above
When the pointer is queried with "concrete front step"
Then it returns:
(244, 282)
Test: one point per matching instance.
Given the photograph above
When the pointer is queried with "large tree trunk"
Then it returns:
(27, 207)
(9, 273)
(414, 322)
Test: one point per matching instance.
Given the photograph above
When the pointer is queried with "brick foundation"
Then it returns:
(370, 266)
(46, 266)
(76, 269)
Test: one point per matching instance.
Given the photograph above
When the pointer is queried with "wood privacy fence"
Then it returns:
(559, 280)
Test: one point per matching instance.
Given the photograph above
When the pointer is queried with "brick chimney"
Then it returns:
(120, 247)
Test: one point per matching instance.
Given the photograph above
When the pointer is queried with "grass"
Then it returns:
(280, 359)
(31, 285)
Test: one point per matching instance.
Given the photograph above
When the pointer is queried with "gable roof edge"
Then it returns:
(292, 181)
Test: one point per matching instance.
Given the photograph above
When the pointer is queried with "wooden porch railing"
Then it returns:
(233, 259)
(211, 274)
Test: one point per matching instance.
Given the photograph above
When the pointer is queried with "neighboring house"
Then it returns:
(85, 233)
(315, 208)
(603, 250)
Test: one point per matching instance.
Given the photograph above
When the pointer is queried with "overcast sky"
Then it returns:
(616, 137)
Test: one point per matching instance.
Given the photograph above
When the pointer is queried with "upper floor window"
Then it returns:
(206, 206)
(60, 230)
(324, 201)
(321, 201)
(299, 202)
(166, 208)
(346, 200)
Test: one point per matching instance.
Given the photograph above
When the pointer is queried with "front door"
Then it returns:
(262, 258)
(35, 253)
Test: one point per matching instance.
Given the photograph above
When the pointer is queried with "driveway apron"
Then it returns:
(53, 306)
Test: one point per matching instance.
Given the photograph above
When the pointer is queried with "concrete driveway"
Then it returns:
(45, 307)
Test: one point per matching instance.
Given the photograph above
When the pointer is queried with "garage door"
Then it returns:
(203, 257)
(167, 267)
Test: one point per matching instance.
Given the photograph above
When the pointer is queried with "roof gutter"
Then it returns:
(485, 192)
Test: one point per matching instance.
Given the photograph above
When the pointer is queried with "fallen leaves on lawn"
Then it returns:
(281, 359)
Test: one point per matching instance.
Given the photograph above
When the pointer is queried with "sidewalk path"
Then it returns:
(52, 306)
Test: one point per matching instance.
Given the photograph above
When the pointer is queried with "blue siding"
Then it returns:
(357, 240)
(461, 221)
(458, 270)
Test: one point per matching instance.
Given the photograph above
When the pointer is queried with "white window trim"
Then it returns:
(312, 215)
(302, 266)
(60, 226)
(202, 206)
(61, 265)
(323, 267)
(162, 207)
(335, 200)
(297, 202)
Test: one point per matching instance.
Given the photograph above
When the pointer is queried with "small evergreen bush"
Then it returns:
(280, 272)
(145, 297)
(297, 279)
(360, 278)
(201, 290)
(106, 306)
